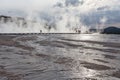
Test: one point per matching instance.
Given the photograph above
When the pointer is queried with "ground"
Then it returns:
(60, 57)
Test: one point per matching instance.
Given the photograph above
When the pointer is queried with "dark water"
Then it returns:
(60, 57)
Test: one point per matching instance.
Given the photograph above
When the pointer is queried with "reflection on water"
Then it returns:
(60, 57)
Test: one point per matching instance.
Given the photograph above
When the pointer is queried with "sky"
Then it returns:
(66, 12)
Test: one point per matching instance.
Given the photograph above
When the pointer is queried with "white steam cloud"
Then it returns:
(59, 15)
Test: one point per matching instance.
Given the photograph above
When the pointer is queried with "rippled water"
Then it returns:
(60, 57)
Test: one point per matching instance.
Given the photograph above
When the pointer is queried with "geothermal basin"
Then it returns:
(60, 57)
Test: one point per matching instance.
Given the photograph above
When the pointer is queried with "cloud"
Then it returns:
(72, 2)
(65, 13)
(91, 11)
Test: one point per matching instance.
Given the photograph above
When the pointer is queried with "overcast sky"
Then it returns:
(88, 11)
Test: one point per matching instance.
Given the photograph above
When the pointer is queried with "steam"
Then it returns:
(58, 15)
(103, 21)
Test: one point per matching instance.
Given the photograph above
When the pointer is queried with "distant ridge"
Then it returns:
(6, 18)
(111, 30)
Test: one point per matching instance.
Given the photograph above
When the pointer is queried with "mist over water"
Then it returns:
(58, 15)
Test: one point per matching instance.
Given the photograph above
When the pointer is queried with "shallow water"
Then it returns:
(60, 57)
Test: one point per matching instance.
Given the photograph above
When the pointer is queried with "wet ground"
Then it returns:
(60, 57)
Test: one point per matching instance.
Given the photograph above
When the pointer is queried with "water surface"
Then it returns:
(60, 57)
